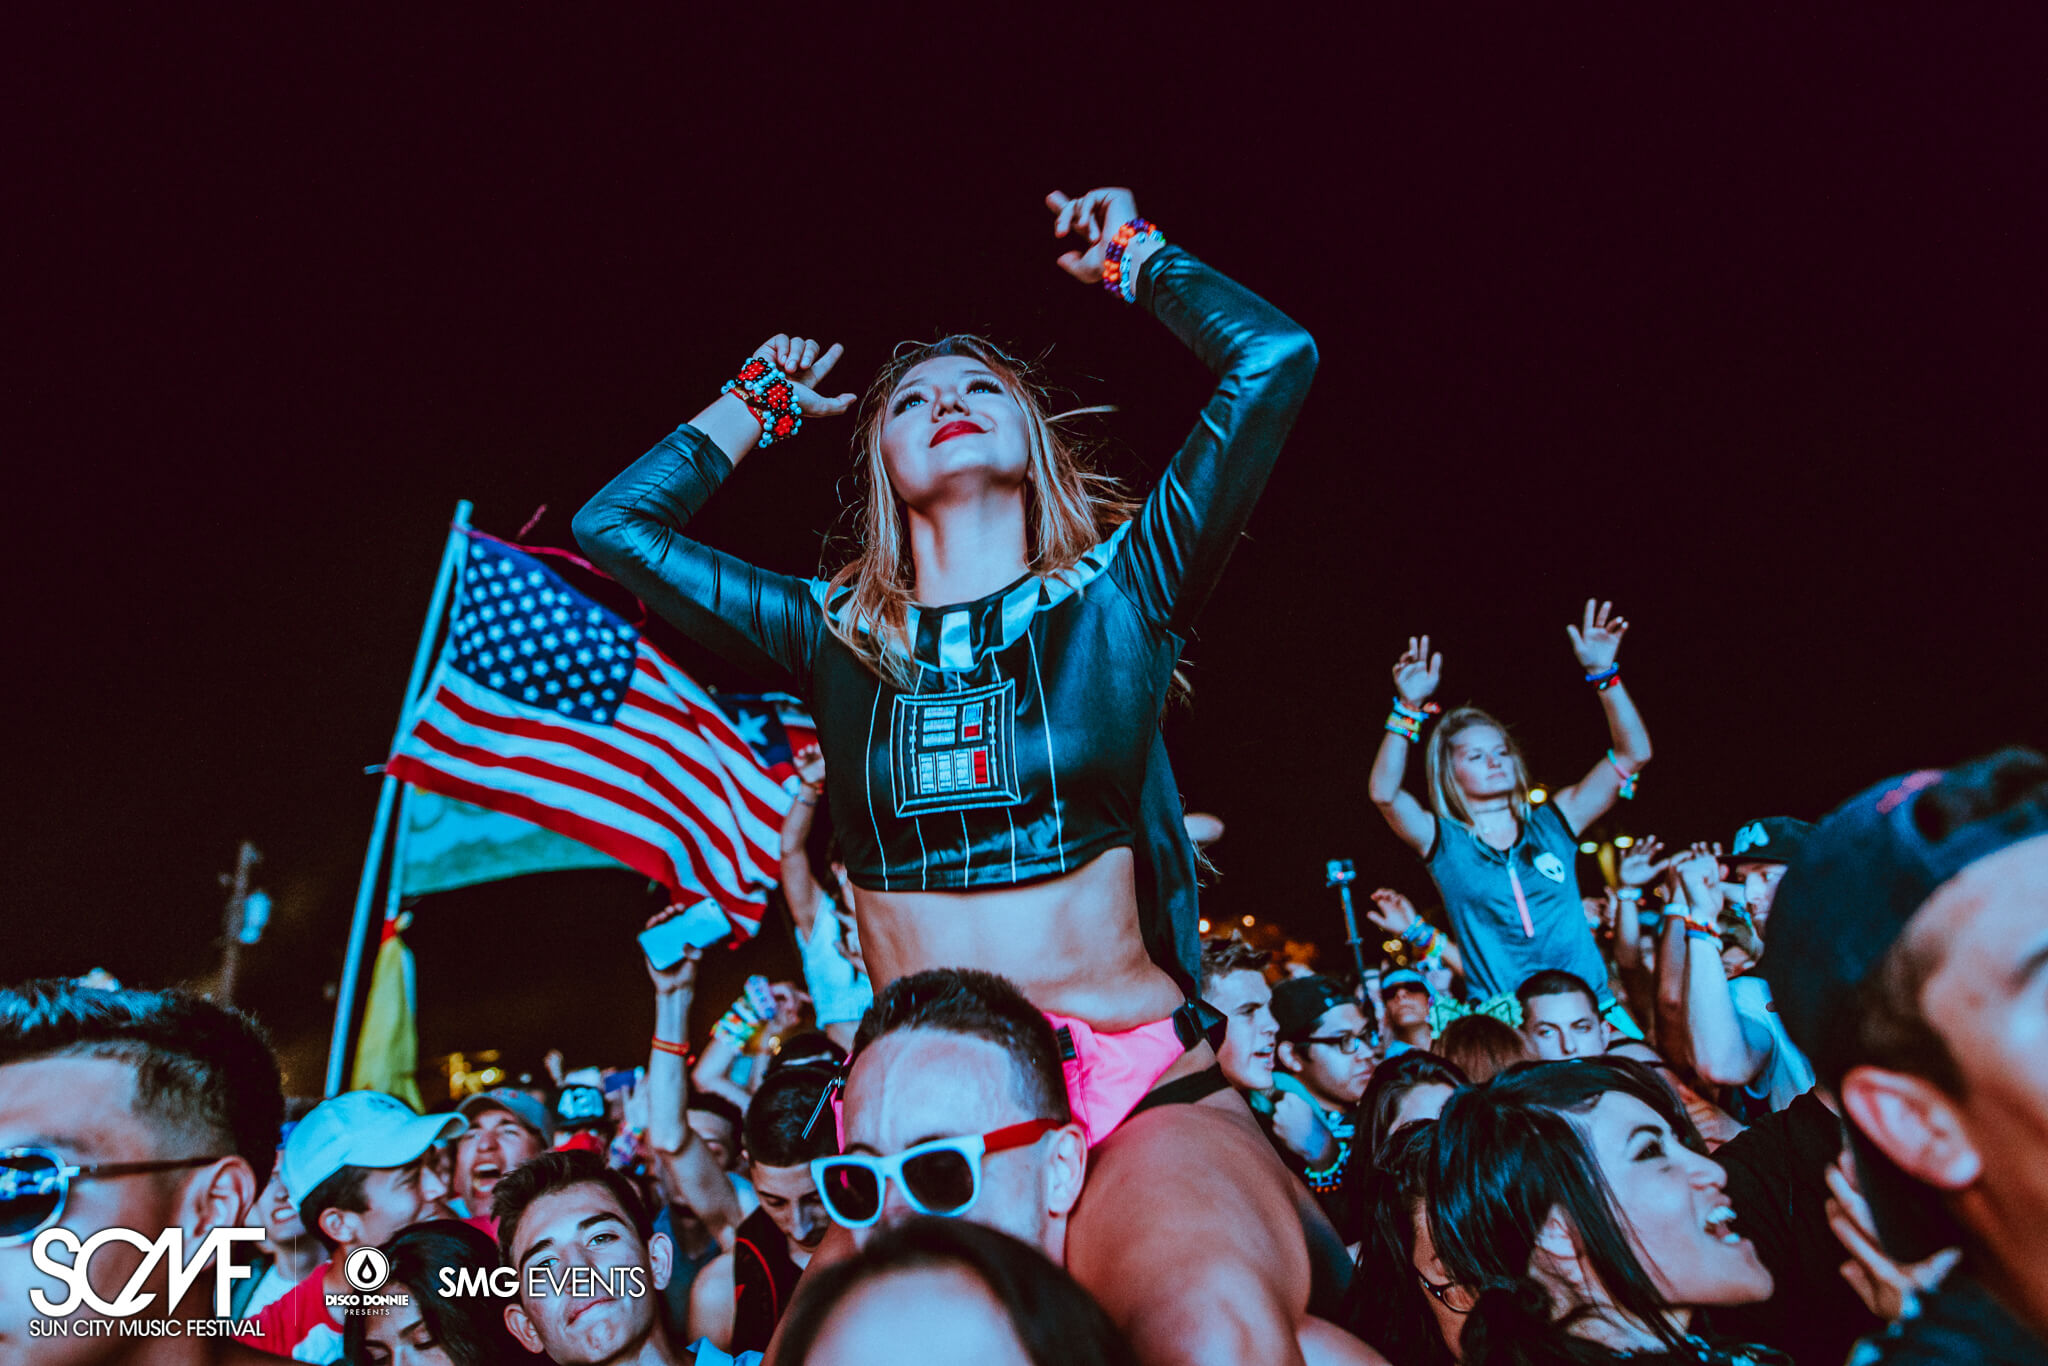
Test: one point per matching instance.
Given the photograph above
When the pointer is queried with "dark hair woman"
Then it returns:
(1416, 1085)
(1503, 858)
(1023, 625)
(429, 1328)
(966, 1292)
(1400, 1300)
(1577, 1208)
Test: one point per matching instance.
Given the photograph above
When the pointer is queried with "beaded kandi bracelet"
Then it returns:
(770, 397)
(1406, 721)
(1138, 236)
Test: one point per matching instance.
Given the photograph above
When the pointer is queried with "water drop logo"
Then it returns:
(366, 1269)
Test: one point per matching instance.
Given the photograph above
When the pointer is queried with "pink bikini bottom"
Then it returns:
(1108, 1074)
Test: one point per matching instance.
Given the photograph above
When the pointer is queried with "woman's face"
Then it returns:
(1481, 763)
(955, 1316)
(1449, 1323)
(396, 1335)
(951, 429)
(1674, 1207)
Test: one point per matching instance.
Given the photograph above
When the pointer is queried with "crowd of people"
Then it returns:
(1777, 1098)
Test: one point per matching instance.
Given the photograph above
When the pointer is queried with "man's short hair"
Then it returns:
(785, 1106)
(558, 1171)
(204, 1074)
(977, 1005)
(343, 1190)
(1891, 1030)
(711, 1103)
(1555, 982)
(1221, 957)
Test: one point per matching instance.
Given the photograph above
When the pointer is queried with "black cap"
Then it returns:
(1860, 877)
(1299, 1002)
(1774, 839)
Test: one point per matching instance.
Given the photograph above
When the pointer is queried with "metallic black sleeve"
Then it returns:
(1263, 362)
(633, 531)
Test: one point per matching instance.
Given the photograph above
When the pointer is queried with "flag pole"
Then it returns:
(387, 797)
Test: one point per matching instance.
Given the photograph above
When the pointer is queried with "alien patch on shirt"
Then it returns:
(955, 751)
(1551, 866)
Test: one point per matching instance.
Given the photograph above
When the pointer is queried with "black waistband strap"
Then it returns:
(1197, 1021)
(1184, 1090)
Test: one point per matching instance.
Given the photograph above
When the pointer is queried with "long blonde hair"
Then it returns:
(1445, 797)
(1069, 507)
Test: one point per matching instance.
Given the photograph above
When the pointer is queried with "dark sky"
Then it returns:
(1738, 322)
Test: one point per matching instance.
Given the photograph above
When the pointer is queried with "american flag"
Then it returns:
(548, 706)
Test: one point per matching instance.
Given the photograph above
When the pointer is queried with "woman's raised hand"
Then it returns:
(807, 363)
(1417, 672)
(1094, 217)
(1598, 638)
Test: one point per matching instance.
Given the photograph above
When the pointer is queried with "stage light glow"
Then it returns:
(1202, 925)
(1248, 922)
(1588, 847)
(1624, 841)
(1537, 796)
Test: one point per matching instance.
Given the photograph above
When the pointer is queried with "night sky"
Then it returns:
(1736, 322)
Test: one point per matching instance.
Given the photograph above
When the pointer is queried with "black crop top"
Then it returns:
(1021, 750)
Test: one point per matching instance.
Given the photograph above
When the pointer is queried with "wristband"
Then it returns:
(1628, 894)
(1694, 927)
(1628, 779)
(741, 1024)
(1406, 721)
(770, 397)
(677, 1050)
(1603, 675)
(1137, 235)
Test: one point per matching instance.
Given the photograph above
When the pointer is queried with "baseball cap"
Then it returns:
(358, 1129)
(1406, 977)
(1861, 876)
(579, 1104)
(1299, 1002)
(1773, 839)
(518, 1104)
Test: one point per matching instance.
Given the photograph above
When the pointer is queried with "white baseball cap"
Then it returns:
(358, 1129)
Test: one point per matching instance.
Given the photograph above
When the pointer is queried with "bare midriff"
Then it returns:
(1071, 944)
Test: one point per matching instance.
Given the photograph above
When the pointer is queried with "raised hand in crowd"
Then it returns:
(689, 1173)
(1597, 639)
(1416, 676)
(1092, 218)
(804, 362)
(1640, 864)
(1596, 644)
(1396, 915)
(1418, 672)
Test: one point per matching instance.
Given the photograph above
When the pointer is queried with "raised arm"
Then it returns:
(1263, 361)
(1723, 1051)
(1416, 674)
(688, 1170)
(633, 529)
(799, 885)
(1596, 641)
